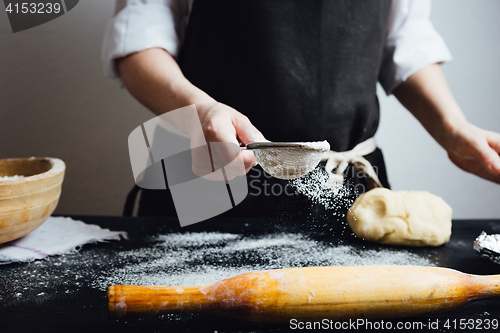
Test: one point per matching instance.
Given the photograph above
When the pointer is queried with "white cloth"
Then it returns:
(412, 42)
(56, 236)
(341, 160)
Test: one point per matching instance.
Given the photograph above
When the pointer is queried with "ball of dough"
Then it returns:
(401, 218)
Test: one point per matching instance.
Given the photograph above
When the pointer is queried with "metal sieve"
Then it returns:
(288, 160)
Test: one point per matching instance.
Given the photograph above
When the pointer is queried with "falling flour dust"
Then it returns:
(320, 189)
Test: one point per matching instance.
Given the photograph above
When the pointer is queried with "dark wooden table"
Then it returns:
(75, 305)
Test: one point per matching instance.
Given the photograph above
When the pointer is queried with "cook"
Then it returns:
(294, 71)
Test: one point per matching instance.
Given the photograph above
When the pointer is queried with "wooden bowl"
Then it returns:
(26, 203)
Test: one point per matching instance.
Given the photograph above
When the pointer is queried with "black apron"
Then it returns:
(300, 70)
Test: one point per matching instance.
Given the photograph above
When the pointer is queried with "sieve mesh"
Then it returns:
(291, 163)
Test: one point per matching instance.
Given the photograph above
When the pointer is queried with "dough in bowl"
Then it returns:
(401, 218)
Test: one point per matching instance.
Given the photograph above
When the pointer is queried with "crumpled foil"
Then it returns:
(488, 246)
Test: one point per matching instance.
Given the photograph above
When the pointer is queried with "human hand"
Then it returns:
(427, 96)
(475, 150)
(155, 79)
(224, 129)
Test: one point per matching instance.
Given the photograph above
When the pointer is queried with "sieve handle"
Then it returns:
(261, 145)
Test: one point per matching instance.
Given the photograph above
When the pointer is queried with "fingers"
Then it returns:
(219, 128)
(487, 151)
(248, 160)
(222, 127)
(494, 143)
(245, 130)
(489, 159)
(471, 166)
(477, 146)
(247, 133)
(477, 151)
(493, 140)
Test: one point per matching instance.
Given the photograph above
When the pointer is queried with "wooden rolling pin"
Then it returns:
(312, 293)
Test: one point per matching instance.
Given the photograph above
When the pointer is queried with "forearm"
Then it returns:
(427, 96)
(154, 78)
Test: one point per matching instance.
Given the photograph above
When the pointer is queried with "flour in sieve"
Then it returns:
(319, 145)
(16, 177)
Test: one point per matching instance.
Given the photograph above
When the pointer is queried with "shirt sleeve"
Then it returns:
(412, 43)
(142, 24)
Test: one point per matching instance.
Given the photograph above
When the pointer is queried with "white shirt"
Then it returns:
(411, 43)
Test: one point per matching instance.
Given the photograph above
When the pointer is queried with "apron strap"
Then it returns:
(341, 160)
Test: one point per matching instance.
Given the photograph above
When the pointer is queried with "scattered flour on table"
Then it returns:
(196, 239)
(185, 260)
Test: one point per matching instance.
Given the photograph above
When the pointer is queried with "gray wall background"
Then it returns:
(55, 102)
(415, 162)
